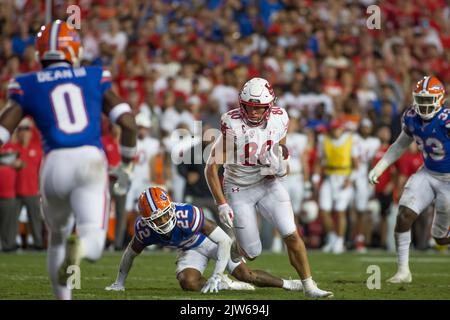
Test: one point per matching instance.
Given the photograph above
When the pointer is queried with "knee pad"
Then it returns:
(253, 250)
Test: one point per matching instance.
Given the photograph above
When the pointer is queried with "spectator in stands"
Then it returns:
(27, 185)
(110, 141)
(385, 188)
(9, 162)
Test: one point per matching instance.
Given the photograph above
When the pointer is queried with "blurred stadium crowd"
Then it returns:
(176, 62)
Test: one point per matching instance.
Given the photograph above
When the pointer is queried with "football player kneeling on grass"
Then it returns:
(183, 226)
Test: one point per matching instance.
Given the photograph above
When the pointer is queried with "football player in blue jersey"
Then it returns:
(183, 226)
(428, 124)
(66, 102)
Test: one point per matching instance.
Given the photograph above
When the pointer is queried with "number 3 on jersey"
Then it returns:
(69, 108)
(437, 148)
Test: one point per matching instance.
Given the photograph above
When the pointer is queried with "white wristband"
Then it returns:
(4, 135)
(119, 110)
(129, 152)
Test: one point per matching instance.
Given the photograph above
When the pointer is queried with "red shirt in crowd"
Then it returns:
(409, 163)
(28, 176)
(386, 177)
(112, 152)
(8, 174)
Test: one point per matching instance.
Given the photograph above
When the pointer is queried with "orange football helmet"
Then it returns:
(157, 210)
(57, 41)
(428, 97)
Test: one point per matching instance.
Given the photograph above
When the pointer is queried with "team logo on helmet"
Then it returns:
(163, 197)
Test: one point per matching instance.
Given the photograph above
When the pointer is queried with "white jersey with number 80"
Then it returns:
(250, 143)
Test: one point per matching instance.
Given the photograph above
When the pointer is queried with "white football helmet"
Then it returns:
(257, 92)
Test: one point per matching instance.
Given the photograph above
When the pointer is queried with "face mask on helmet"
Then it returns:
(162, 221)
(257, 93)
(255, 119)
(427, 105)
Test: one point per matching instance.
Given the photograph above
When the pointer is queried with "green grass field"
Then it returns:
(24, 276)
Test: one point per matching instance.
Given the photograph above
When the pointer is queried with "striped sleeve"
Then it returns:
(15, 91)
(197, 221)
(105, 81)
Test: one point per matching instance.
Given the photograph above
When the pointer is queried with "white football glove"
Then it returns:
(273, 159)
(213, 283)
(115, 287)
(226, 215)
(122, 176)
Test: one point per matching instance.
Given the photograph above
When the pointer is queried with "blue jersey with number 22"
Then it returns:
(185, 235)
(432, 138)
(65, 103)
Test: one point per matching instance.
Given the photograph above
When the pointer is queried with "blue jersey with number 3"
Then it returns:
(185, 235)
(432, 138)
(65, 103)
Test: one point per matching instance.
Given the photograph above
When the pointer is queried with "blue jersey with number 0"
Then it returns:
(432, 138)
(65, 103)
(185, 235)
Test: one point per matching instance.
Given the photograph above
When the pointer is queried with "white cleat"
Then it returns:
(338, 248)
(228, 284)
(115, 287)
(328, 247)
(294, 285)
(318, 293)
(401, 277)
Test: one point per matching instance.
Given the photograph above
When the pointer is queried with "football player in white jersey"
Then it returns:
(368, 146)
(253, 146)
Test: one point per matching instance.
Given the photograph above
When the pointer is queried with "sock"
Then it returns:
(331, 237)
(55, 258)
(308, 284)
(402, 242)
(339, 241)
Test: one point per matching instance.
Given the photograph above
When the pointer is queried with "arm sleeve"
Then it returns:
(395, 151)
(197, 220)
(223, 252)
(15, 92)
(125, 264)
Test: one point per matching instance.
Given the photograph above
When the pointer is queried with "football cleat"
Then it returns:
(227, 284)
(318, 293)
(401, 277)
(73, 257)
(115, 287)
